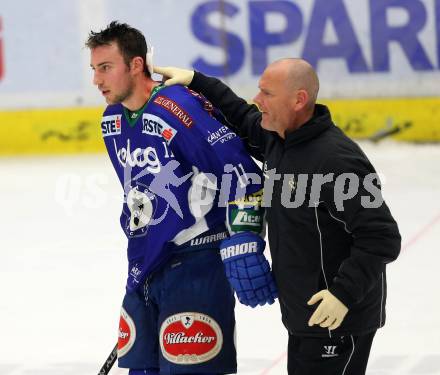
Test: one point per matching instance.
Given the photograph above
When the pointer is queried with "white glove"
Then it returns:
(174, 75)
(330, 312)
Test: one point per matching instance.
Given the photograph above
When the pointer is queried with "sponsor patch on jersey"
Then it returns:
(127, 333)
(139, 157)
(222, 135)
(207, 105)
(111, 125)
(243, 220)
(189, 338)
(172, 107)
(155, 126)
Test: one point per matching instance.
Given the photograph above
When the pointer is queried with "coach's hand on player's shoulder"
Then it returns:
(172, 75)
(330, 312)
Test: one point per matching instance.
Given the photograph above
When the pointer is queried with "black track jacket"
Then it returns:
(326, 241)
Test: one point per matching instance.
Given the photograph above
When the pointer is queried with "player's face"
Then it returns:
(275, 101)
(111, 74)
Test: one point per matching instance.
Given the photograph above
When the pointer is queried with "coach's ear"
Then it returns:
(172, 75)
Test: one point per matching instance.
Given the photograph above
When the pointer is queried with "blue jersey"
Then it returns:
(179, 166)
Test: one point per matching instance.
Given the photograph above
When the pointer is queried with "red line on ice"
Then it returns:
(274, 363)
(421, 232)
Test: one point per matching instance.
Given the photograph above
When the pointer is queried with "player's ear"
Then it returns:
(137, 64)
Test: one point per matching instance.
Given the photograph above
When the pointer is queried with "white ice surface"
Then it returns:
(62, 269)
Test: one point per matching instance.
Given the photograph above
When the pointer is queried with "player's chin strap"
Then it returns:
(149, 59)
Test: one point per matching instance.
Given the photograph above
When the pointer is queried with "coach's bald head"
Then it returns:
(288, 91)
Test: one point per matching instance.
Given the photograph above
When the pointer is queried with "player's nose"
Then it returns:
(96, 79)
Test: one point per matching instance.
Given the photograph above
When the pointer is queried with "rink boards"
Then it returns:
(77, 130)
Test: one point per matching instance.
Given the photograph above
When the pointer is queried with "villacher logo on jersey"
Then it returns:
(190, 338)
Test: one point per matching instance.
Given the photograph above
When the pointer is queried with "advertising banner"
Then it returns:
(374, 48)
(363, 50)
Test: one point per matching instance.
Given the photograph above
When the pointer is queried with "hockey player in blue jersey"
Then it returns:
(191, 212)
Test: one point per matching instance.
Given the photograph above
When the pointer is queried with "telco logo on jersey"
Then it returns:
(155, 126)
(111, 125)
(138, 158)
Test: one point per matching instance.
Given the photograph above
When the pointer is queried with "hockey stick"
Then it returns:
(108, 364)
(384, 133)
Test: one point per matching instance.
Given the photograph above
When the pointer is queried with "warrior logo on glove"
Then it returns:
(247, 269)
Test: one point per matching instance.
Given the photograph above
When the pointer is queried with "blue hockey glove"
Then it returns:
(247, 269)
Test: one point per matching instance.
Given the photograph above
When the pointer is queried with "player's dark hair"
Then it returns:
(130, 41)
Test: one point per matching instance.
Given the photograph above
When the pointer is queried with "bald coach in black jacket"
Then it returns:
(330, 233)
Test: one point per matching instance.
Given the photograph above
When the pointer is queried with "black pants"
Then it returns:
(346, 355)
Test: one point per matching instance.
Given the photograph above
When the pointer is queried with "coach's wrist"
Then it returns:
(341, 294)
